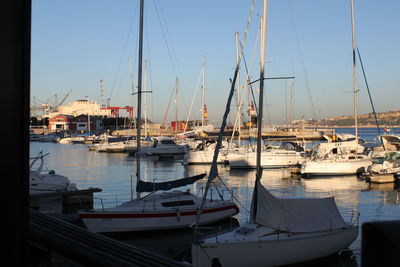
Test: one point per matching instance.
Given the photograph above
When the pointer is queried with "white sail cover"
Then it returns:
(298, 214)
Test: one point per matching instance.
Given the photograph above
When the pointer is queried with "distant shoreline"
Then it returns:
(360, 126)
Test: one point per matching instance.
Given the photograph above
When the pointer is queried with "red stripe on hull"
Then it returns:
(152, 215)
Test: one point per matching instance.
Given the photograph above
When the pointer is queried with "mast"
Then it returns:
(261, 96)
(253, 211)
(145, 98)
(213, 169)
(139, 98)
(203, 92)
(132, 83)
(353, 37)
(238, 86)
(176, 107)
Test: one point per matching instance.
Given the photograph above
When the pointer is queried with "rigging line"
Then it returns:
(165, 39)
(213, 169)
(233, 195)
(169, 103)
(123, 50)
(194, 96)
(250, 83)
(248, 71)
(302, 60)
(370, 98)
(171, 51)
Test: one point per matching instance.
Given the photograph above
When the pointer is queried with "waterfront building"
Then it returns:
(79, 123)
(81, 107)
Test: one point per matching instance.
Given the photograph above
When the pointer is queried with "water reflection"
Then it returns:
(115, 174)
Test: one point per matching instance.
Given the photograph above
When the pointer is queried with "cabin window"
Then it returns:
(178, 203)
(334, 151)
(352, 157)
(167, 142)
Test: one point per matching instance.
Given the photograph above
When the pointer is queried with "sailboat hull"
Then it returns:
(327, 167)
(269, 159)
(123, 221)
(258, 250)
(203, 157)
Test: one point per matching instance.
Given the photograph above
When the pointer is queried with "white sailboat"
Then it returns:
(281, 231)
(203, 153)
(336, 163)
(271, 158)
(156, 211)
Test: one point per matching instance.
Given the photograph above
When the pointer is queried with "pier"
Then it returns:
(54, 239)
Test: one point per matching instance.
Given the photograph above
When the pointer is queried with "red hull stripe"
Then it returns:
(90, 215)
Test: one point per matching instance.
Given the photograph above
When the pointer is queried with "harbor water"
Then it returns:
(115, 174)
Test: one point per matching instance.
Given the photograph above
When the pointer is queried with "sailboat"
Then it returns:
(202, 149)
(156, 211)
(281, 231)
(286, 155)
(336, 163)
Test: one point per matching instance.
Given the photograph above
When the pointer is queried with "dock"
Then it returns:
(52, 239)
(63, 202)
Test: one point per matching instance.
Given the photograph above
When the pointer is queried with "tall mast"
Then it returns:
(354, 45)
(238, 86)
(203, 89)
(145, 98)
(139, 98)
(261, 96)
(177, 105)
(132, 83)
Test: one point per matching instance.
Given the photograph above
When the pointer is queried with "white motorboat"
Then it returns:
(336, 164)
(389, 143)
(339, 143)
(164, 147)
(156, 211)
(281, 231)
(40, 182)
(384, 170)
(281, 157)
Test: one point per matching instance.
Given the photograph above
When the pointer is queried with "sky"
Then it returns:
(75, 44)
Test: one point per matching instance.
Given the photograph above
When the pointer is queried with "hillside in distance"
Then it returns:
(389, 118)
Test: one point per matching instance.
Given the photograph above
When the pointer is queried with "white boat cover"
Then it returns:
(296, 215)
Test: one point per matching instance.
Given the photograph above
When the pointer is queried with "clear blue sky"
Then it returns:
(77, 43)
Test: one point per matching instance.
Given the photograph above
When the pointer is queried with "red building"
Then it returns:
(80, 123)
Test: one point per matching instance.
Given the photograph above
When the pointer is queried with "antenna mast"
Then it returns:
(102, 98)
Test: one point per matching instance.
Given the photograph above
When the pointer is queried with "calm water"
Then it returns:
(115, 175)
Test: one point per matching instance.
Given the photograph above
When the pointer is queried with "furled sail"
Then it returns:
(296, 215)
(150, 187)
